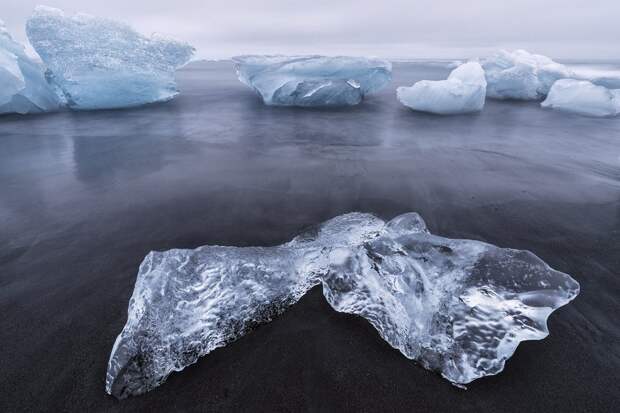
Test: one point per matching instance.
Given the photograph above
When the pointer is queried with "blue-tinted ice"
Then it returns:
(521, 75)
(96, 63)
(458, 307)
(463, 92)
(23, 88)
(584, 98)
(312, 80)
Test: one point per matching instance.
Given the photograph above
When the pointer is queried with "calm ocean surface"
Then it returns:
(85, 195)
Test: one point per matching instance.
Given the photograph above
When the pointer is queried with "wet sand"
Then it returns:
(85, 196)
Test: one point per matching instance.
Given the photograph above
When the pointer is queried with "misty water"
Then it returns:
(84, 196)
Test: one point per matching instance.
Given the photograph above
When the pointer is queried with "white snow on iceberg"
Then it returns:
(312, 80)
(459, 307)
(23, 88)
(521, 75)
(584, 98)
(463, 92)
(97, 63)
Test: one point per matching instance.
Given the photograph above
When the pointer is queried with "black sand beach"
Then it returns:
(85, 196)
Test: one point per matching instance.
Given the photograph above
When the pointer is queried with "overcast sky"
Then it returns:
(386, 28)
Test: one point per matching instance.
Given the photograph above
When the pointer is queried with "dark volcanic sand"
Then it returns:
(84, 196)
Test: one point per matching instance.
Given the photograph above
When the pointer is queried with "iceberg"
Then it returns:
(521, 75)
(23, 88)
(96, 63)
(584, 98)
(458, 307)
(463, 92)
(309, 81)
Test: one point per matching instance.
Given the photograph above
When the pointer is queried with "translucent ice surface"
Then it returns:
(584, 98)
(312, 80)
(186, 303)
(458, 307)
(23, 88)
(521, 75)
(97, 63)
(463, 92)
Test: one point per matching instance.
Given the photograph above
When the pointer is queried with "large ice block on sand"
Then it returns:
(23, 88)
(458, 307)
(584, 98)
(521, 75)
(312, 80)
(187, 303)
(463, 92)
(97, 63)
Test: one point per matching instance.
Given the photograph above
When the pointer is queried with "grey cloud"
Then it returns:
(561, 28)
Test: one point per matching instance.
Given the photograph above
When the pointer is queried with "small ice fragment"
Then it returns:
(354, 83)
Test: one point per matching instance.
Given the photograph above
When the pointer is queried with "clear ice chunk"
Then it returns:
(463, 92)
(521, 75)
(187, 303)
(458, 307)
(584, 98)
(312, 80)
(23, 88)
(97, 63)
